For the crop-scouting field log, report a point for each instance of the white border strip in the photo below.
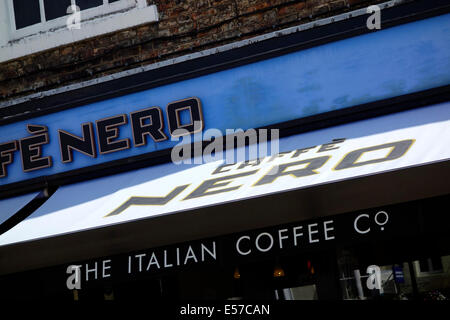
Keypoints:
(59, 35)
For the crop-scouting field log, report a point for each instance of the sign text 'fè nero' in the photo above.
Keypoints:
(103, 135)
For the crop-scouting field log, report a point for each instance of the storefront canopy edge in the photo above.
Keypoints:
(9, 207)
(380, 161)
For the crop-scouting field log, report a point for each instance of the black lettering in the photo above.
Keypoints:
(220, 168)
(399, 148)
(196, 124)
(300, 151)
(108, 131)
(250, 163)
(6, 156)
(31, 149)
(279, 170)
(148, 201)
(69, 142)
(278, 155)
(214, 183)
(330, 146)
(152, 129)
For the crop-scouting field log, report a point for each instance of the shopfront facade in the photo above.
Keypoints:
(337, 190)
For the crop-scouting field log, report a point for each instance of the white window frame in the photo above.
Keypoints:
(87, 14)
(49, 34)
(431, 272)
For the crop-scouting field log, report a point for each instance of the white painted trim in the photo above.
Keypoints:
(57, 23)
(42, 10)
(5, 23)
(94, 22)
(423, 274)
(204, 53)
(12, 25)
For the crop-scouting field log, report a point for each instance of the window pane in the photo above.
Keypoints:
(86, 4)
(437, 263)
(26, 13)
(56, 8)
(424, 265)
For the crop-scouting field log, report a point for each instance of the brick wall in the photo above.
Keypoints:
(185, 26)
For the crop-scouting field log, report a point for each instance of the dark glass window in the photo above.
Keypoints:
(86, 4)
(424, 267)
(436, 262)
(430, 264)
(55, 8)
(26, 13)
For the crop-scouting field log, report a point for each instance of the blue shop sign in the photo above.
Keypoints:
(395, 61)
(399, 275)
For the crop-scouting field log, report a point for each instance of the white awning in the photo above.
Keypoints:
(10, 206)
(388, 143)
